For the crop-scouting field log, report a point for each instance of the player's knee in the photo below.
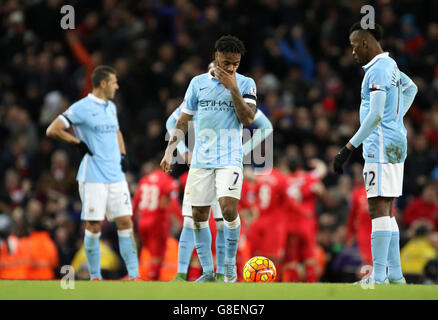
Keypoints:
(94, 226)
(377, 208)
(229, 212)
(373, 215)
(124, 223)
(200, 213)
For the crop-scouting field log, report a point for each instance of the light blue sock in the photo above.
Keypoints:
(92, 252)
(128, 251)
(379, 248)
(231, 235)
(185, 248)
(202, 238)
(220, 247)
(381, 230)
(394, 264)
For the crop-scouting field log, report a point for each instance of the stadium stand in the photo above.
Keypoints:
(308, 86)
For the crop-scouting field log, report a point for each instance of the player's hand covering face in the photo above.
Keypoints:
(225, 71)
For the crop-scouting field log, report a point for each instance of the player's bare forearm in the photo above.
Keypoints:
(65, 136)
(121, 142)
(177, 135)
(57, 130)
(244, 111)
(178, 132)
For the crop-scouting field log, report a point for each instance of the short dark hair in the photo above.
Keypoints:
(229, 44)
(376, 32)
(101, 73)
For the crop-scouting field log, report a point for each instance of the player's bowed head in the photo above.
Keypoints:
(365, 42)
(228, 54)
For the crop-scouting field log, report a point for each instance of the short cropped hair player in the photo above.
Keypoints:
(102, 184)
(387, 94)
(223, 101)
(186, 241)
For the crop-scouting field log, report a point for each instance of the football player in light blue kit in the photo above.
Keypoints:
(387, 93)
(186, 241)
(223, 101)
(102, 183)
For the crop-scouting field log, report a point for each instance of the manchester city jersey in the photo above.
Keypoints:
(95, 122)
(218, 130)
(387, 143)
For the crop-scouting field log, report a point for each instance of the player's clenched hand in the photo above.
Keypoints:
(166, 163)
(124, 162)
(228, 80)
(340, 159)
(83, 148)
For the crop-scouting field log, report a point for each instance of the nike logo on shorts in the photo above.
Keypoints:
(232, 189)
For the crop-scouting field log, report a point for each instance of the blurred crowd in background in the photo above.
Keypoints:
(308, 85)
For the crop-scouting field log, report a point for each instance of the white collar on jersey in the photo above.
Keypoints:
(98, 100)
(381, 55)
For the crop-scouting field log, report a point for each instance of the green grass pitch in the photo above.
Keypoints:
(127, 290)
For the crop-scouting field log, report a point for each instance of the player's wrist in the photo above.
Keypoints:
(341, 158)
(234, 89)
(350, 146)
(83, 148)
(345, 152)
(124, 162)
